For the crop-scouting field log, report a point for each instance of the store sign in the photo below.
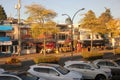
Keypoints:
(6, 43)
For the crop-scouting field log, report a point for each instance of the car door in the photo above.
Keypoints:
(86, 70)
(41, 72)
(102, 64)
(106, 64)
(110, 64)
(89, 71)
(55, 75)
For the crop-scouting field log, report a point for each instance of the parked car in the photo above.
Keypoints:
(106, 63)
(54, 72)
(88, 70)
(18, 76)
(117, 61)
(2, 70)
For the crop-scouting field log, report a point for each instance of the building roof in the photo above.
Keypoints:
(6, 28)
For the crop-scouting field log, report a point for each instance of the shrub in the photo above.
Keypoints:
(117, 51)
(46, 59)
(92, 54)
(12, 60)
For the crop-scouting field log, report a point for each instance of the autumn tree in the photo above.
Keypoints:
(3, 15)
(104, 18)
(113, 28)
(90, 22)
(40, 19)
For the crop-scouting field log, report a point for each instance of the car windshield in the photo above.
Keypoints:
(62, 70)
(27, 76)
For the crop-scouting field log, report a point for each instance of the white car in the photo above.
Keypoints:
(2, 70)
(18, 76)
(88, 70)
(110, 64)
(117, 61)
(106, 63)
(54, 72)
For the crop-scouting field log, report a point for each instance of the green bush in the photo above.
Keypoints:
(92, 54)
(46, 59)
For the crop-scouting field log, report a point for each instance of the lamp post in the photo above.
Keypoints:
(18, 6)
(69, 21)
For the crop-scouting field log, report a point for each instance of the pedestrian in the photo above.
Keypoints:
(88, 48)
(19, 51)
(79, 47)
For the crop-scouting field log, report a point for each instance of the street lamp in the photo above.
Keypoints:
(69, 21)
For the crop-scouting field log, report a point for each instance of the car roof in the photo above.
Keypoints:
(78, 61)
(83, 62)
(46, 65)
(102, 60)
(15, 73)
(5, 74)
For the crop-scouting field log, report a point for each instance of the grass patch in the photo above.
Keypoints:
(117, 51)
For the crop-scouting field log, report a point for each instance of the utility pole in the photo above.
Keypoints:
(18, 6)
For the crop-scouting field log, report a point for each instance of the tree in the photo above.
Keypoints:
(91, 23)
(39, 14)
(113, 27)
(41, 22)
(3, 15)
(104, 18)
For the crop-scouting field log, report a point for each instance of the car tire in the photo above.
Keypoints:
(100, 77)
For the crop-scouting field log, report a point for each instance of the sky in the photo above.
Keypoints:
(69, 7)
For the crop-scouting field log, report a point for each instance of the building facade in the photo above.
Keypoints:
(7, 42)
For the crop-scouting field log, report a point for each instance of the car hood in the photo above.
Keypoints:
(74, 74)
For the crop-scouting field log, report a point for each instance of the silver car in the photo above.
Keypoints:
(88, 70)
(54, 72)
(18, 76)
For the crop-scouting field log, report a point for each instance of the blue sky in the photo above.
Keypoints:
(65, 7)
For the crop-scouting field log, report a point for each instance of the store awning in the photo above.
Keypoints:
(2, 39)
(6, 28)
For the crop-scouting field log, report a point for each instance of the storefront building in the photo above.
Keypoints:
(7, 43)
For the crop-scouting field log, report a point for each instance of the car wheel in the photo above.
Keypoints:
(100, 77)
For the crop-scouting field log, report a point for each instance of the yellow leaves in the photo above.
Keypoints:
(113, 27)
(39, 13)
(95, 53)
(39, 18)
